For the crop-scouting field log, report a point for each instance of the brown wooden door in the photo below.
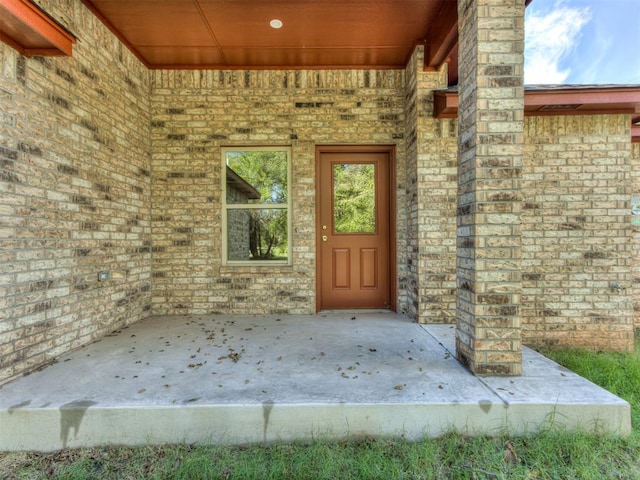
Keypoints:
(354, 229)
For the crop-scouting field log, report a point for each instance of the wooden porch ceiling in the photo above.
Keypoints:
(314, 34)
(228, 34)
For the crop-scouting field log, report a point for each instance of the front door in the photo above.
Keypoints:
(354, 233)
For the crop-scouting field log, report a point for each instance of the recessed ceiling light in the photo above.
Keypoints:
(275, 23)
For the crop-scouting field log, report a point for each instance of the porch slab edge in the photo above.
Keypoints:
(54, 429)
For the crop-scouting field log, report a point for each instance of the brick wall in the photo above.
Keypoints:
(431, 186)
(194, 113)
(80, 169)
(635, 192)
(75, 188)
(577, 231)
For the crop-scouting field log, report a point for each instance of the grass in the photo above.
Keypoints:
(547, 455)
(550, 454)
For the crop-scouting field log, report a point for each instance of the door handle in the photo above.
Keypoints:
(324, 238)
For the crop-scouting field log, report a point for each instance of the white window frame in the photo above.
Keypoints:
(226, 207)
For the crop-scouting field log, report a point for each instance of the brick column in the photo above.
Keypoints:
(490, 148)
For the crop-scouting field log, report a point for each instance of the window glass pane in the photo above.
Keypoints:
(258, 176)
(257, 234)
(354, 200)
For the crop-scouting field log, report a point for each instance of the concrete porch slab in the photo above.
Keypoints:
(241, 379)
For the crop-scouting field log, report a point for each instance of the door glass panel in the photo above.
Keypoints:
(354, 199)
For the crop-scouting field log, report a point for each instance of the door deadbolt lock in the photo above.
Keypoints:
(324, 227)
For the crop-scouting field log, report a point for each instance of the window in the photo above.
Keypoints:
(256, 198)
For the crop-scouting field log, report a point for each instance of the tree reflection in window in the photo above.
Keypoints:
(354, 202)
(257, 205)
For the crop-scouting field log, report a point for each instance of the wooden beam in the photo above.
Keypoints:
(443, 37)
(31, 31)
(445, 104)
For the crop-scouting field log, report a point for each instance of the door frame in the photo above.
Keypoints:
(390, 150)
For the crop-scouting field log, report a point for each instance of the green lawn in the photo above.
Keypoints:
(548, 455)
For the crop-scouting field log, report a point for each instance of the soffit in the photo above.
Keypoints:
(315, 33)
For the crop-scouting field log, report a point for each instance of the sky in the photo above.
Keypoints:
(582, 42)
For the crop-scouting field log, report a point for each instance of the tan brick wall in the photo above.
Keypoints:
(80, 170)
(635, 192)
(194, 113)
(577, 231)
(490, 147)
(75, 188)
(431, 186)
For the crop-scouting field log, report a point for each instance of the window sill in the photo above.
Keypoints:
(246, 268)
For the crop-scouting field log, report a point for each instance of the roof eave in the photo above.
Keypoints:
(563, 100)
